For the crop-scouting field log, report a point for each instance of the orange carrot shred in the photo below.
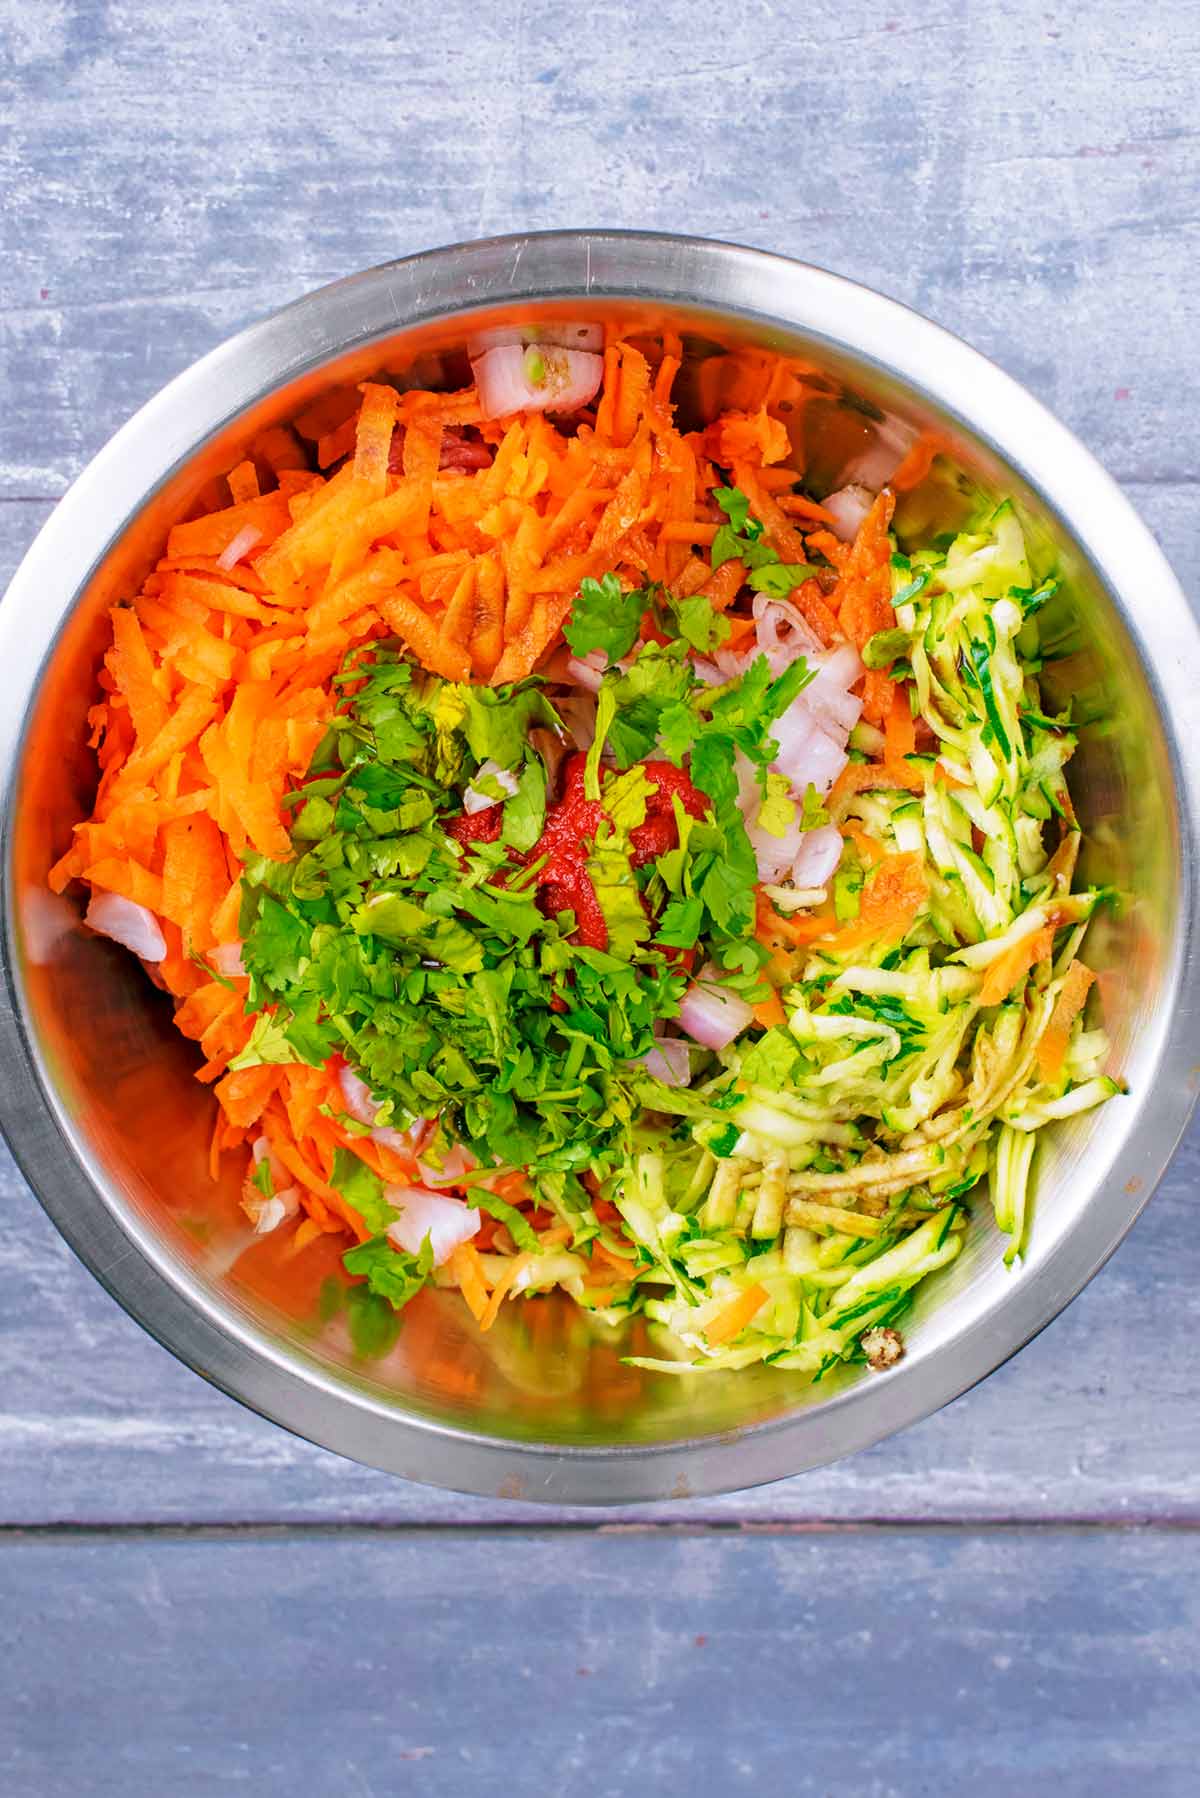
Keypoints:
(741, 1311)
(373, 437)
(1003, 974)
(466, 1267)
(1052, 1045)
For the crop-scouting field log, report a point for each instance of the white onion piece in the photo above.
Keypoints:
(456, 1162)
(822, 761)
(585, 672)
(712, 1014)
(126, 923)
(793, 732)
(782, 633)
(749, 792)
(570, 336)
(363, 1107)
(790, 899)
(774, 855)
(357, 1094)
(226, 958)
(827, 696)
(579, 716)
(266, 1214)
(730, 663)
(668, 1061)
(239, 546)
(447, 1222)
(818, 856)
(262, 1151)
(475, 801)
(569, 380)
(848, 507)
(400, 1142)
(841, 665)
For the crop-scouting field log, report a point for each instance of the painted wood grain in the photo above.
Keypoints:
(877, 1665)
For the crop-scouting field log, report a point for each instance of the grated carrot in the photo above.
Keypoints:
(467, 1269)
(769, 1012)
(742, 1310)
(501, 1289)
(1007, 969)
(1052, 1044)
(357, 522)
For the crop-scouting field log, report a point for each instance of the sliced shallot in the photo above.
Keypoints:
(535, 379)
(668, 1061)
(446, 1221)
(876, 465)
(239, 546)
(848, 507)
(127, 923)
(456, 1162)
(782, 633)
(266, 1214)
(588, 671)
(475, 801)
(363, 1107)
(712, 1014)
(226, 959)
(818, 856)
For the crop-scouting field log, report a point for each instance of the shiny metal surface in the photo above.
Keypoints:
(97, 1094)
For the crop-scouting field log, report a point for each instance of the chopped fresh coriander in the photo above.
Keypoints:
(605, 617)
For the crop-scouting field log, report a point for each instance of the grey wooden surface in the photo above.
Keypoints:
(925, 1661)
(1004, 1597)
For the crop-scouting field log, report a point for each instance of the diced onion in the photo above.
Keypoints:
(818, 856)
(127, 923)
(773, 854)
(828, 696)
(588, 671)
(668, 1061)
(266, 1214)
(226, 959)
(456, 1162)
(363, 1107)
(357, 1094)
(782, 633)
(239, 546)
(446, 1221)
(474, 800)
(537, 379)
(848, 507)
(712, 1014)
(822, 761)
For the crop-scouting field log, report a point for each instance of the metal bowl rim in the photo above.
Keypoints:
(441, 285)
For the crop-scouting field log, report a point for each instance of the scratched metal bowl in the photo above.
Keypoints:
(98, 1095)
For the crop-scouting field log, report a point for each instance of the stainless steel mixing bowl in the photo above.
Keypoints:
(98, 1098)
